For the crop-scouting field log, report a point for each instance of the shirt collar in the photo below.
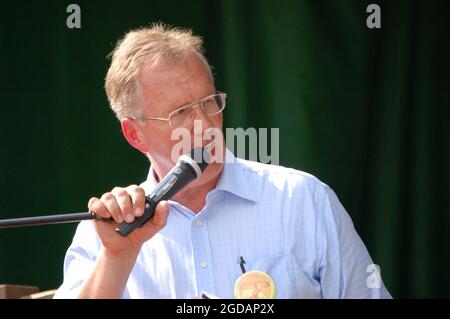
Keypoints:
(232, 179)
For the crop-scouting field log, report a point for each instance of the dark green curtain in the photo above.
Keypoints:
(365, 110)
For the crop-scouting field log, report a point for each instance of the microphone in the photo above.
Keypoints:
(188, 167)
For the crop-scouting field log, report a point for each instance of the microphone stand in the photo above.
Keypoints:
(50, 219)
(184, 172)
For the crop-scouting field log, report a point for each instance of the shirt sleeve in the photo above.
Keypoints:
(346, 269)
(79, 260)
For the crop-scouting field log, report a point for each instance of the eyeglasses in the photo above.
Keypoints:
(182, 117)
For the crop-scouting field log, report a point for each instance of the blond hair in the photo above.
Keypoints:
(158, 44)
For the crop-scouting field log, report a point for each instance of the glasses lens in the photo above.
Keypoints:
(181, 117)
(214, 105)
(211, 106)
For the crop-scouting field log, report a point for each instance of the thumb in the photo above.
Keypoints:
(161, 212)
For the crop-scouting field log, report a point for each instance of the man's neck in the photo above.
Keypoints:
(193, 196)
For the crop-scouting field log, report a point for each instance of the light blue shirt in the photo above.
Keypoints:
(282, 221)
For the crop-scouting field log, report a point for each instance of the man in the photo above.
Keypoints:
(282, 225)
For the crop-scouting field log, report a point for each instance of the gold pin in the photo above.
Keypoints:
(254, 284)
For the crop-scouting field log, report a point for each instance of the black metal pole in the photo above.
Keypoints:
(44, 220)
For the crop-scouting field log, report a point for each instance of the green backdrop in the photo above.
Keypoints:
(364, 110)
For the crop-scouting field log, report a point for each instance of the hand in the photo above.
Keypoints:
(124, 204)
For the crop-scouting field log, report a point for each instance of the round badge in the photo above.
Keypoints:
(254, 285)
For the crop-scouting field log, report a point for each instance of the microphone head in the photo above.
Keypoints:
(198, 159)
(201, 157)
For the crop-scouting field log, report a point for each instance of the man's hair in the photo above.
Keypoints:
(156, 45)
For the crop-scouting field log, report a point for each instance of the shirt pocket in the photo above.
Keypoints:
(291, 281)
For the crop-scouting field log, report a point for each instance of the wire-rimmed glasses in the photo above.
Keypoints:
(182, 117)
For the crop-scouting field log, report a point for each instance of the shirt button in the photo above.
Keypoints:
(203, 264)
(198, 222)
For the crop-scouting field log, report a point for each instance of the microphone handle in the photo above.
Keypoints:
(176, 179)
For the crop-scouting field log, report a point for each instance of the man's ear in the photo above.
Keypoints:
(133, 134)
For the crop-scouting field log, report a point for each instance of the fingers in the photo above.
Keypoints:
(131, 201)
(159, 220)
(95, 205)
(137, 195)
(111, 204)
(123, 204)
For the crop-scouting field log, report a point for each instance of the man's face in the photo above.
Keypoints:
(162, 90)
